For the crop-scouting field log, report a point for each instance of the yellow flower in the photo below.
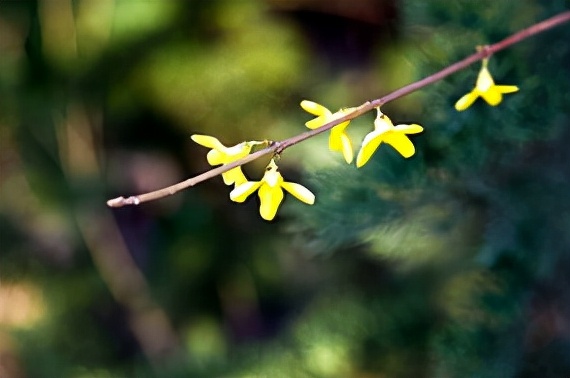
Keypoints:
(271, 191)
(486, 88)
(220, 154)
(338, 139)
(385, 131)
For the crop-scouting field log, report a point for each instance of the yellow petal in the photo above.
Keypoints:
(507, 88)
(409, 129)
(369, 146)
(314, 108)
(241, 192)
(207, 141)
(299, 191)
(272, 177)
(316, 122)
(335, 143)
(338, 139)
(270, 198)
(401, 143)
(383, 123)
(484, 80)
(234, 176)
(216, 157)
(346, 148)
(466, 101)
(492, 96)
(237, 152)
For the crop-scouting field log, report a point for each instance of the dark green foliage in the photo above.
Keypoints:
(495, 187)
(452, 263)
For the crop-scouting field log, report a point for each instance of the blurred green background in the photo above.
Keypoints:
(453, 263)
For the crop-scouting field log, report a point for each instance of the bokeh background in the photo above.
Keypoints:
(453, 263)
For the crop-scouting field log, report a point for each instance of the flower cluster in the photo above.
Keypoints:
(271, 187)
(384, 131)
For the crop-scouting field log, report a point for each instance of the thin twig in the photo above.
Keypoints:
(278, 147)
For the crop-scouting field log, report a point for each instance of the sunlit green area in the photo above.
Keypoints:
(452, 263)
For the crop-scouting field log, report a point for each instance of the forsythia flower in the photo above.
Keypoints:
(271, 191)
(338, 139)
(486, 88)
(220, 154)
(385, 131)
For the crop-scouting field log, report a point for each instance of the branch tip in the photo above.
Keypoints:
(122, 201)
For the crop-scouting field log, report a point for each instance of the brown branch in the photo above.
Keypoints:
(278, 147)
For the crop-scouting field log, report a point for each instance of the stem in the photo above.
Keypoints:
(279, 147)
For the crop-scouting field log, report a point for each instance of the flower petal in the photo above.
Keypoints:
(272, 177)
(216, 157)
(270, 198)
(241, 192)
(484, 80)
(335, 142)
(314, 108)
(369, 146)
(466, 101)
(492, 96)
(383, 123)
(409, 129)
(234, 176)
(401, 143)
(299, 191)
(346, 148)
(208, 141)
(237, 152)
(507, 88)
(316, 122)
